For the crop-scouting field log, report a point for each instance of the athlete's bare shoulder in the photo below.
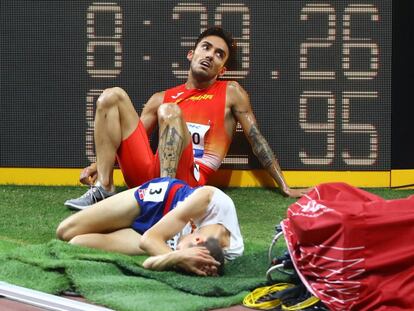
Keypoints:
(233, 86)
(236, 94)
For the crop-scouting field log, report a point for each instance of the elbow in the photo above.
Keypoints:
(206, 194)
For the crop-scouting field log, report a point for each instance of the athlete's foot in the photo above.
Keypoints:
(95, 194)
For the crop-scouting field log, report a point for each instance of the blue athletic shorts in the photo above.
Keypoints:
(156, 198)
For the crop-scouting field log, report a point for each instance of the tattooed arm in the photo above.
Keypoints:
(241, 109)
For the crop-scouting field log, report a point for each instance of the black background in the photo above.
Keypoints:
(402, 85)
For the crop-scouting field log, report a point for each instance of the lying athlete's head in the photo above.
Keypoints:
(231, 61)
(211, 244)
(216, 252)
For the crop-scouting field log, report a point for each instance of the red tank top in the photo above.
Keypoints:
(204, 111)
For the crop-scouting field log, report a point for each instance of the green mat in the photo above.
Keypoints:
(119, 281)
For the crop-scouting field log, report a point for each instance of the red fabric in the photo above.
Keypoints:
(352, 249)
(139, 164)
(170, 198)
(136, 159)
(207, 107)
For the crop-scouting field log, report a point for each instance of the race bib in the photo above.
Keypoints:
(198, 132)
(156, 192)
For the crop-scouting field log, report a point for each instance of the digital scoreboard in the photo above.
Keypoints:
(318, 74)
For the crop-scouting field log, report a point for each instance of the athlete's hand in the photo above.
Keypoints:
(197, 260)
(296, 193)
(89, 175)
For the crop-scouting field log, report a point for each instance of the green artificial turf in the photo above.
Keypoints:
(30, 215)
(98, 275)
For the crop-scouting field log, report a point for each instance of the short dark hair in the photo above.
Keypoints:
(231, 62)
(213, 246)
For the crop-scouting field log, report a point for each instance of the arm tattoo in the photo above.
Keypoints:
(260, 147)
(235, 111)
(170, 148)
(265, 155)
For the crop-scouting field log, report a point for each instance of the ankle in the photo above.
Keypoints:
(106, 187)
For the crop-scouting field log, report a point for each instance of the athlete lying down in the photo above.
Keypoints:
(178, 226)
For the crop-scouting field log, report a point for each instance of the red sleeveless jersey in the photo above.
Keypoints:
(203, 111)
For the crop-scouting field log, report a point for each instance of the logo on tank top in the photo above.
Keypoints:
(176, 96)
(201, 97)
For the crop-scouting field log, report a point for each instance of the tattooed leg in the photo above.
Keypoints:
(173, 137)
(169, 150)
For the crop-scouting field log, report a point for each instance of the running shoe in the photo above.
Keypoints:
(92, 196)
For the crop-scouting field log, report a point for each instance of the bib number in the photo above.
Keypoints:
(156, 192)
(198, 132)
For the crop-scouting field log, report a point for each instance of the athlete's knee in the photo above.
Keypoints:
(62, 231)
(67, 229)
(169, 113)
(111, 97)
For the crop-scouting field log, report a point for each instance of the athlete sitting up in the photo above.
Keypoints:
(196, 124)
(165, 218)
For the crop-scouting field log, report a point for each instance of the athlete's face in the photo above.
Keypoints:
(208, 59)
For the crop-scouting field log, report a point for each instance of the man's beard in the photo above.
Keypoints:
(200, 74)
